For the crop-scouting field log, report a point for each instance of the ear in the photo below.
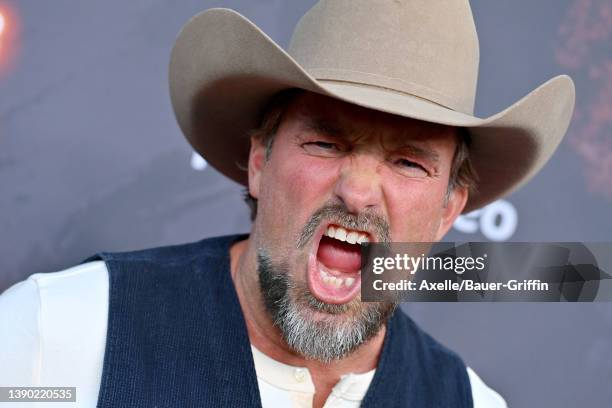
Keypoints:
(257, 157)
(454, 206)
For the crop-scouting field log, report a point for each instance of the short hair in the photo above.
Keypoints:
(462, 172)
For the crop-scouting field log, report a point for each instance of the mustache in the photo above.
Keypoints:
(338, 214)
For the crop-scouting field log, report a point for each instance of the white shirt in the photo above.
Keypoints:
(53, 333)
(282, 385)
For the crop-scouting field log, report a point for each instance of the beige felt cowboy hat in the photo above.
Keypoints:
(414, 58)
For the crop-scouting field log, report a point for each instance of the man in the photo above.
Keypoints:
(364, 132)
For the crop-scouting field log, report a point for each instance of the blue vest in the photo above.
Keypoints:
(177, 338)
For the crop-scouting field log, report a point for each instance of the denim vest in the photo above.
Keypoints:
(177, 338)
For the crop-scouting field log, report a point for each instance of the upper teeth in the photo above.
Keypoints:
(350, 236)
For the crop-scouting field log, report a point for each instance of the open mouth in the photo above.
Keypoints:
(334, 274)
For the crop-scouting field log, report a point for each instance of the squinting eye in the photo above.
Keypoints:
(322, 148)
(411, 168)
(323, 145)
(408, 163)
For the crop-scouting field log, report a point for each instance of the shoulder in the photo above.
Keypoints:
(434, 355)
(54, 325)
(430, 350)
(44, 289)
(77, 278)
(54, 302)
(482, 395)
(214, 247)
(411, 349)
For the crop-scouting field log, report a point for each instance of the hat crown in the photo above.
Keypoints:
(425, 48)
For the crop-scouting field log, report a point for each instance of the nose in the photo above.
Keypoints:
(359, 185)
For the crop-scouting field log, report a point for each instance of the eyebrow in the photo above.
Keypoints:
(327, 128)
(323, 127)
(421, 152)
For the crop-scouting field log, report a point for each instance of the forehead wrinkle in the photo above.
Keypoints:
(381, 133)
(341, 120)
(416, 137)
(332, 129)
(418, 151)
(321, 126)
(336, 118)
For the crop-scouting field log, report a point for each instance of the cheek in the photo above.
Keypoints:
(308, 181)
(293, 189)
(415, 209)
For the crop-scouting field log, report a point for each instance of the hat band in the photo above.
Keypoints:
(390, 84)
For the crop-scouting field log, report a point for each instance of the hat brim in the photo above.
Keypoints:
(224, 69)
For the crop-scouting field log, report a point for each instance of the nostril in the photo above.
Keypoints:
(358, 200)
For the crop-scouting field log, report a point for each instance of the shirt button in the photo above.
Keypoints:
(299, 374)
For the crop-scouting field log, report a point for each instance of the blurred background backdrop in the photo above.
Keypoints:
(91, 159)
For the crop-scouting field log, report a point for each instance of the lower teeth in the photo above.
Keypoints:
(337, 282)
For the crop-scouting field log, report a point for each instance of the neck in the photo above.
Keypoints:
(266, 337)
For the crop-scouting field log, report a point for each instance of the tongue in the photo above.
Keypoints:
(338, 255)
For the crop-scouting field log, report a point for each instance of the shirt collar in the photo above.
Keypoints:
(297, 379)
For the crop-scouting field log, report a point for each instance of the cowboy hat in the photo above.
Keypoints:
(413, 58)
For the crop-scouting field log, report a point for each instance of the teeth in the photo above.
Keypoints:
(352, 237)
(335, 281)
(340, 234)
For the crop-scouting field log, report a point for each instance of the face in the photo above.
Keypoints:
(339, 175)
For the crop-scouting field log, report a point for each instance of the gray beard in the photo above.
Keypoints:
(316, 336)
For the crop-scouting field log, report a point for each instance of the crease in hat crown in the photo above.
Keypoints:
(424, 48)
